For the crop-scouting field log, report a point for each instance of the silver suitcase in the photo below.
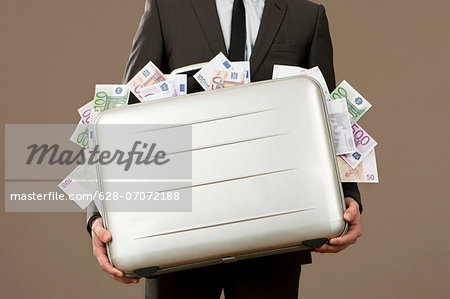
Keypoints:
(264, 178)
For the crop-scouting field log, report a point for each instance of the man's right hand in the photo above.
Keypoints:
(100, 236)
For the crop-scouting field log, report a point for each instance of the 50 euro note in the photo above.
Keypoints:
(160, 90)
(364, 145)
(221, 79)
(147, 76)
(180, 81)
(357, 104)
(283, 71)
(341, 127)
(243, 67)
(365, 172)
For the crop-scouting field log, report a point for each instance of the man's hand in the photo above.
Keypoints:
(352, 216)
(100, 236)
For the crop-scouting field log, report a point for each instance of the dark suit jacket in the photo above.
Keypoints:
(177, 33)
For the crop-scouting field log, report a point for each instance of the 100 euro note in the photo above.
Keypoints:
(364, 145)
(85, 112)
(81, 135)
(81, 184)
(365, 172)
(357, 104)
(109, 96)
(205, 75)
(341, 127)
(147, 76)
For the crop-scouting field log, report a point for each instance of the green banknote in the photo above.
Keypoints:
(109, 96)
(357, 104)
(81, 135)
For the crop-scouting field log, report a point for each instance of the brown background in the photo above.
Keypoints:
(395, 53)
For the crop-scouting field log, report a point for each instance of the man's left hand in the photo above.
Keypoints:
(353, 217)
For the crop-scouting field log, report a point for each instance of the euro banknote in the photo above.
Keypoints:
(341, 127)
(85, 111)
(160, 90)
(357, 104)
(180, 81)
(81, 184)
(316, 73)
(147, 76)
(283, 71)
(365, 172)
(80, 135)
(364, 145)
(243, 67)
(94, 115)
(113, 98)
(221, 79)
(219, 63)
(109, 96)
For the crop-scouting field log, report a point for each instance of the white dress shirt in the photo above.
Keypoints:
(253, 13)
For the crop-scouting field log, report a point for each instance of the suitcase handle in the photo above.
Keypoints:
(189, 69)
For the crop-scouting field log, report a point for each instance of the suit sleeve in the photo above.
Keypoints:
(148, 44)
(321, 55)
(91, 213)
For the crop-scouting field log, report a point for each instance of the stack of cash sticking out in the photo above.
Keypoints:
(220, 73)
(83, 179)
(354, 147)
(150, 84)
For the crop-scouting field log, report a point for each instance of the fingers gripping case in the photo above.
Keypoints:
(264, 179)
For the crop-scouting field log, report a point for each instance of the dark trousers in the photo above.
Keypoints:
(262, 278)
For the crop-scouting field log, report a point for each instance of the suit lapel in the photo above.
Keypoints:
(206, 12)
(274, 12)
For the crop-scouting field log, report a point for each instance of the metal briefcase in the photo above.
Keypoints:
(264, 179)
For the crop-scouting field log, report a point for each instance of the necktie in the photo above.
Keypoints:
(238, 32)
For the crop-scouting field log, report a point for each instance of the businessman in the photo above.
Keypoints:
(176, 33)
